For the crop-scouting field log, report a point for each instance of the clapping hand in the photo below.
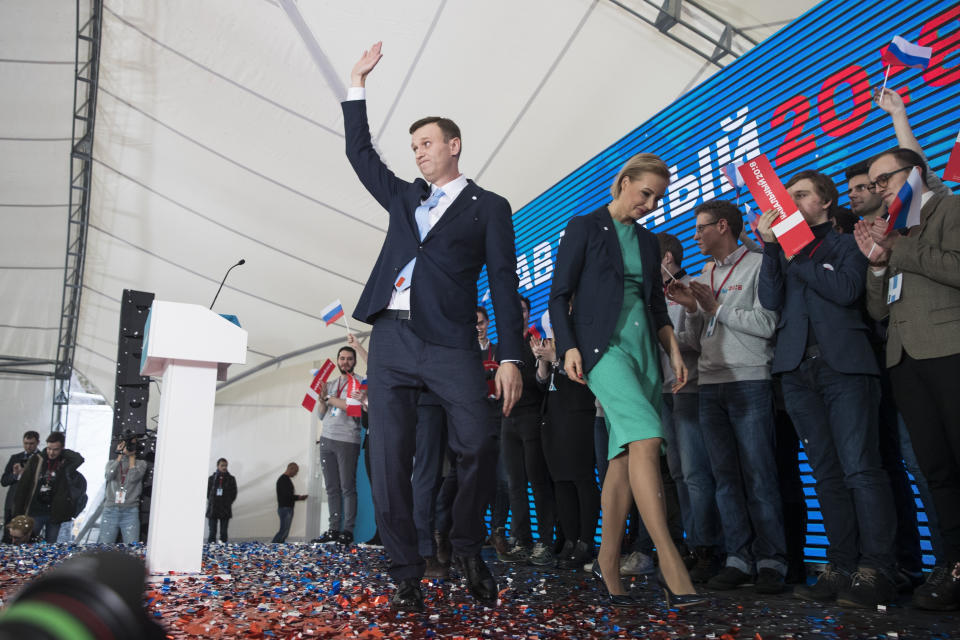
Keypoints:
(544, 349)
(705, 297)
(682, 294)
(876, 254)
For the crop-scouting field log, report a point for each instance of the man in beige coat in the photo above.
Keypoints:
(914, 279)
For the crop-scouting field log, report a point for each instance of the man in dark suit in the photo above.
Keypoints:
(915, 280)
(421, 299)
(11, 474)
(831, 388)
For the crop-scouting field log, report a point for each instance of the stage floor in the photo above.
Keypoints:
(308, 591)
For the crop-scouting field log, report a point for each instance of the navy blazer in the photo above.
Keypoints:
(589, 271)
(825, 291)
(476, 229)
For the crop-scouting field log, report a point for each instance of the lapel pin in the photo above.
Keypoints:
(606, 229)
(474, 197)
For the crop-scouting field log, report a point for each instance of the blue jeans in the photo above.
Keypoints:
(687, 456)
(286, 517)
(52, 530)
(835, 415)
(736, 420)
(125, 520)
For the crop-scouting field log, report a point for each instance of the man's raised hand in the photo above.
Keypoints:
(365, 65)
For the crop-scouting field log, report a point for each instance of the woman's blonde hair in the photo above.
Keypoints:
(639, 164)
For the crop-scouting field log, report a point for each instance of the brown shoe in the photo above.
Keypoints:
(498, 540)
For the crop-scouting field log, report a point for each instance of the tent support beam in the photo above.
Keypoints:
(85, 82)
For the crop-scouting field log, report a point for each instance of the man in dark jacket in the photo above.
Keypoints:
(221, 492)
(11, 474)
(43, 492)
(286, 499)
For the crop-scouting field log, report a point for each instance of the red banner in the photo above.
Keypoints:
(791, 229)
(316, 385)
(952, 172)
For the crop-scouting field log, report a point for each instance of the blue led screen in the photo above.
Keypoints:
(802, 97)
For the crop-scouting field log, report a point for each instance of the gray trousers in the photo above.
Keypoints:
(338, 461)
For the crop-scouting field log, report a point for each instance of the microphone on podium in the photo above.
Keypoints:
(242, 261)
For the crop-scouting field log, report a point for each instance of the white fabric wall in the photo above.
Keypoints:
(259, 427)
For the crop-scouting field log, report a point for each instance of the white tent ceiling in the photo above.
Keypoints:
(217, 137)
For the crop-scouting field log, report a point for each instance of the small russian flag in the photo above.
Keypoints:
(904, 211)
(752, 220)
(363, 384)
(332, 312)
(541, 329)
(733, 176)
(903, 53)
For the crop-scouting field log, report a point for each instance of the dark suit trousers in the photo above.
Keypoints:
(428, 473)
(400, 366)
(926, 394)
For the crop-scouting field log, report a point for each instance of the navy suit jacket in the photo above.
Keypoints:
(825, 291)
(476, 229)
(589, 271)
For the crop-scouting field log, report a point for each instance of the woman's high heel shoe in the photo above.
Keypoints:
(617, 600)
(678, 602)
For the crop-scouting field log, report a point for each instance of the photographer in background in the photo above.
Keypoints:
(11, 474)
(121, 497)
(43, 492)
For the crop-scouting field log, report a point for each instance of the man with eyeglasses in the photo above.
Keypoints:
(914, 279)
(724, 320)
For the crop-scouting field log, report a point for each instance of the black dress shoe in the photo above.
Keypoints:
(480, 581)
(408, 596)
(616, 599)
(433, 568)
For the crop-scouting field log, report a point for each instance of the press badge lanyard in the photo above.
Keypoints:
(341, 384)
(716, 292)
(121, 496)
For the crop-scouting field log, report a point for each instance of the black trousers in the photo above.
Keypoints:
(522, 451)
(401, 365)
(927, 395)
(224, 523)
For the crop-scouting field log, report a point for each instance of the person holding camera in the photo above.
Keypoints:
(121, 498)
(43, 492)
(12, 472)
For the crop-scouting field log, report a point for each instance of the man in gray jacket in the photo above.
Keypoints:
(121, 499)
(724, 319)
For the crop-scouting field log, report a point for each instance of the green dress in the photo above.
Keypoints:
(626, 380)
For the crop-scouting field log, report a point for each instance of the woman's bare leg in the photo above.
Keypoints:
(615, 503)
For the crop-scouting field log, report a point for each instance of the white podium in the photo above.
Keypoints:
(190, 347)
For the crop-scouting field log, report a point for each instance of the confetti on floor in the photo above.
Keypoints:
(256, 590)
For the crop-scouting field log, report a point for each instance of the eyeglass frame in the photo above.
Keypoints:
(700, 227)
(884, 178)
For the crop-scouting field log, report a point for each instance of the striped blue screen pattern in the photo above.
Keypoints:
(803, 98)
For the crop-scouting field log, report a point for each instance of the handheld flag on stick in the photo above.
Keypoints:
(316, 386)
(733, 176)
(903, 53)
(752, 220)
(332, 312)
(541, 328)
(904, 211)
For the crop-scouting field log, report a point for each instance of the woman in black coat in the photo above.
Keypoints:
(221, 492)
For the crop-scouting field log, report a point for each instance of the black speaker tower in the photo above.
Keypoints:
(132, 391)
